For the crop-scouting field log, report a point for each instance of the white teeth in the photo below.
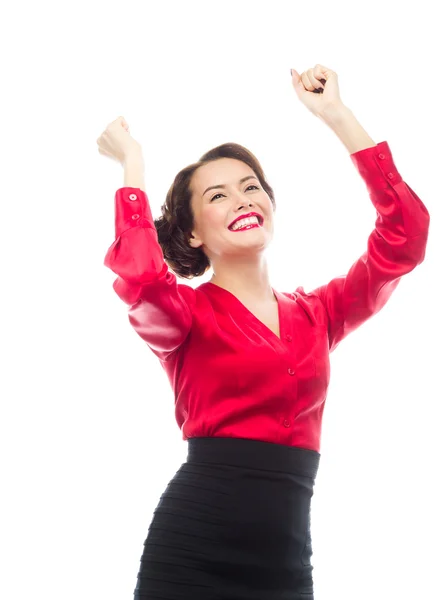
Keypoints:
(243, 222)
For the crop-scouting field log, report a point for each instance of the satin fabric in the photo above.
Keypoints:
(231, 376)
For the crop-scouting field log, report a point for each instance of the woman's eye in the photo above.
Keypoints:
(254, 186)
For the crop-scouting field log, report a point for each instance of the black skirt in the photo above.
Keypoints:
(233, 523)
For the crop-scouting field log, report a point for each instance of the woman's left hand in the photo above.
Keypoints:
(306, 86)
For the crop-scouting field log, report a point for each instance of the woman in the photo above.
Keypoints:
(249, 366)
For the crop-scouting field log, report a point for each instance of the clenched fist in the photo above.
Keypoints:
(116, 142)
(318, 89)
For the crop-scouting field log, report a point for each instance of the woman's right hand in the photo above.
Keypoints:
(116, 141)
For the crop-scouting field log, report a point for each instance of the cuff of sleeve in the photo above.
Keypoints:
(376, 166)
(131, 210)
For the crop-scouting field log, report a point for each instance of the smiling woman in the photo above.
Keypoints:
(249, 367)
(175, 227)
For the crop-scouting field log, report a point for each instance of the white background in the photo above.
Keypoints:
(88, 435)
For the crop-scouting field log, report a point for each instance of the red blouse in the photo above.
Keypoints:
(230, 374)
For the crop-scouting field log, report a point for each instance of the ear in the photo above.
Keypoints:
(194, 241)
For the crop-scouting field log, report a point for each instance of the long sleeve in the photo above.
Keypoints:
(395, 247)
(159, 309)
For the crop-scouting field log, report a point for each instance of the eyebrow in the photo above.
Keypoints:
(215, 187)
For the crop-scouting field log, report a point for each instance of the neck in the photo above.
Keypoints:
(245, 282)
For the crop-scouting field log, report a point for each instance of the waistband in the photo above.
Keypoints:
(253, 454)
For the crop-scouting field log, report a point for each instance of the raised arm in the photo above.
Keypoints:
(159, 309)
(396, 245)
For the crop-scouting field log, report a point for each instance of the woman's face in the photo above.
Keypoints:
(215, 209)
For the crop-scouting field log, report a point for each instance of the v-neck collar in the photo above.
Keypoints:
(251, 315)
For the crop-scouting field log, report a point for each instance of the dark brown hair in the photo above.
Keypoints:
(176, 223)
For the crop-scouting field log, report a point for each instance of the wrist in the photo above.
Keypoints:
(348, 129)
(133, 155)
(134, 170)
(334, 115)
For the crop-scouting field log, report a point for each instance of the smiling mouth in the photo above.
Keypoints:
(249, 226)
(246, 227)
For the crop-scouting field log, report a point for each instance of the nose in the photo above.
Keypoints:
(244, 202)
